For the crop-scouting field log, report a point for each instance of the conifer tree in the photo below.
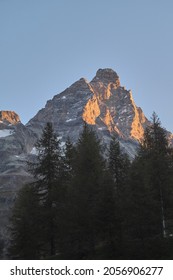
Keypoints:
(26, 233)
(118, 163)
(47, 168)
(156, 148)
(48, 174)
(69, 160)
(150, 182)
(64, 217)
(109, 219)
(118, 166)
(87, 188)
(40, 226)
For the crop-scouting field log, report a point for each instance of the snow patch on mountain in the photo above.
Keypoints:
(6, 132)
(34, 151)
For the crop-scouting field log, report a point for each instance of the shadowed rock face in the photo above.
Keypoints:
(102, 103)
(15, 143)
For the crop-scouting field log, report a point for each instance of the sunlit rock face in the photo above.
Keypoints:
(9, 117)
(112, 107)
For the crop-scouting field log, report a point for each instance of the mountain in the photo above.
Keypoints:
(15, 143)
(102, 103)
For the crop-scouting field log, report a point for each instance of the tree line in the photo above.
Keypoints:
(85, 205)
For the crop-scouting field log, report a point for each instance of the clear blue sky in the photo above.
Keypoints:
(46, 45)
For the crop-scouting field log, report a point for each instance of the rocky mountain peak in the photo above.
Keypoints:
(9, 117)
(80, 83)
(107, 76)
(102, 103)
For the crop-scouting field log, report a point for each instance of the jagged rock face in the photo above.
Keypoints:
(102, 103)
(106, 76)
(117, 110)
(64, 111)
(9, 117)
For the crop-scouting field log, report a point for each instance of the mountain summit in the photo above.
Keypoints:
(107, 76)
(102, 103)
